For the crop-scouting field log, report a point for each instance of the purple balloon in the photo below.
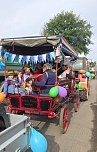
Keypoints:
(62, 91)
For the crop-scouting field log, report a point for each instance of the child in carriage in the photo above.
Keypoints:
(19, 78)
(12, 84)
(9, 84)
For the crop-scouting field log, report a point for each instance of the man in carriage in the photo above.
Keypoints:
(65, 71)
(47, 81)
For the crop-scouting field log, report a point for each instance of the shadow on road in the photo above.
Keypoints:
(52, 145)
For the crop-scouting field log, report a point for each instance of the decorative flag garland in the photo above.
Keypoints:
(32, 59)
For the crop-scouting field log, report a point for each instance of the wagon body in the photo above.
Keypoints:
(43, 104)
(16, 137)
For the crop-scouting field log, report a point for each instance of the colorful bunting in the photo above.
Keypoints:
(20, 58)
(13, 57)
(39, 58)
(1, 65)
(32, 59)
(44, 57)
(36, 59)
(9, 59)
(2, 52)
(6, 55)
(27, 59)
(16, 58)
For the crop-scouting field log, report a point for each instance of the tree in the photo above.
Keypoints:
(75, 30)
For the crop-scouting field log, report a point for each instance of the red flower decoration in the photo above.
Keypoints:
(8, 81)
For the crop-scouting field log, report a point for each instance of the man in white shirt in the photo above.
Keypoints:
(64, 71)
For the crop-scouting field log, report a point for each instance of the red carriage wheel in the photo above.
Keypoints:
(76, 103)
(64, 119)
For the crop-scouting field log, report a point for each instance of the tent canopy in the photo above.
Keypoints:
(36, 45)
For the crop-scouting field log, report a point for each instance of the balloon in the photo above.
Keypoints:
(92, 75)
(80, 86)
(77, 85)
(62, 91)
(82, 71)
(53, 91)
(38, 142)
(88, 74)
(2, 97)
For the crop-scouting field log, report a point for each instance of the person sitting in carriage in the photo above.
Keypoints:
(38, 69)
(65, 71)
(12, 85)
(9, 84)
(27, 72)
(38, 72)
(26, 66)
(48, 79)
(19, 78)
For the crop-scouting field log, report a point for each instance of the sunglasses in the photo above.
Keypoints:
(64, 65)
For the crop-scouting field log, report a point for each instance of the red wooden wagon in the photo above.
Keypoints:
(43, 103)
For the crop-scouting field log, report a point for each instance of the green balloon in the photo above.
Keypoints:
(53, 91)
(92, 75)
(77, 85)
(80, 86)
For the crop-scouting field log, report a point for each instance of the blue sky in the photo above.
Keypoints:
(27, 17)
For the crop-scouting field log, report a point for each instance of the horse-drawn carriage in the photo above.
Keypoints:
(80, 69)
(43, 103)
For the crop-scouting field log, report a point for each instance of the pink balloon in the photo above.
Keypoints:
(62, 91)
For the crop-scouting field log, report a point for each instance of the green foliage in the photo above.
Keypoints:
(75, 30)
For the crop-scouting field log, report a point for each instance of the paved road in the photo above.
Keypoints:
(81, 135)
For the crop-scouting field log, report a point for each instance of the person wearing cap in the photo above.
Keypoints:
(48, 79)
(9, 84)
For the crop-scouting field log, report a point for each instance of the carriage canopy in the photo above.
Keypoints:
(37, 45)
